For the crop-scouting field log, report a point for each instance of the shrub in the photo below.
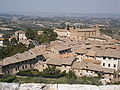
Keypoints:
(89, 80)
(41, 80)
(52, 72)
(8, 78)
(71, 75)
(31, 72)
(100, 74)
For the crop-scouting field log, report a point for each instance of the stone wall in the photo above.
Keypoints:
(38, 86)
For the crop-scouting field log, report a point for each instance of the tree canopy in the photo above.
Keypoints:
(47, 36)
(52, 72)
(31, 34)
(12, 49)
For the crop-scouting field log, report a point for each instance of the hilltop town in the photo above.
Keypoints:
(86, 52)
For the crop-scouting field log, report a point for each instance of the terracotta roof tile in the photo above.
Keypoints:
(89, 66)
(91, 61)
(108, 53)
(61, 61)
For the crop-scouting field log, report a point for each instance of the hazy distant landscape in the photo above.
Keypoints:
(56, 19)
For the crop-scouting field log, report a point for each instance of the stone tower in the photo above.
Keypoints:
(97, 30)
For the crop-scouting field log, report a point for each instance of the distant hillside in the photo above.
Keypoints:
(113, 29)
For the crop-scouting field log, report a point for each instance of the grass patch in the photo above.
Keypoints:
(61, 80)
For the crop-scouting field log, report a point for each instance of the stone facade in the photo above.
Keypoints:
(83, 34)
(20, 35)
(16, 67)
(62, 32)
(23, 61)
(59, 50)
(111, 63)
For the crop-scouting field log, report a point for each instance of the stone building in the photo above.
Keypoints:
(62, 32)
(40, 32)
(64, 64)
(110, 58)
(90, 69)
(97, 39)
(83, 34)
(20, 35)
(61, 49)
(22, 61)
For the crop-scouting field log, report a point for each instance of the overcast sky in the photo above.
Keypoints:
(72, 6)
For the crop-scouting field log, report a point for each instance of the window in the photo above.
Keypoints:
(8, 72)
(78, 53)
(16, 69)
(103, 64)
(81, 54)
(86, 70)
(22, 67)
(109, 58)
(30, 65)
(108, 65)
(84, 34)
(104, 57)
(26, 66)
(114, 65)
(88, 48)
(89, 33)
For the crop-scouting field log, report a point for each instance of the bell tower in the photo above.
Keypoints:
(97, 30)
